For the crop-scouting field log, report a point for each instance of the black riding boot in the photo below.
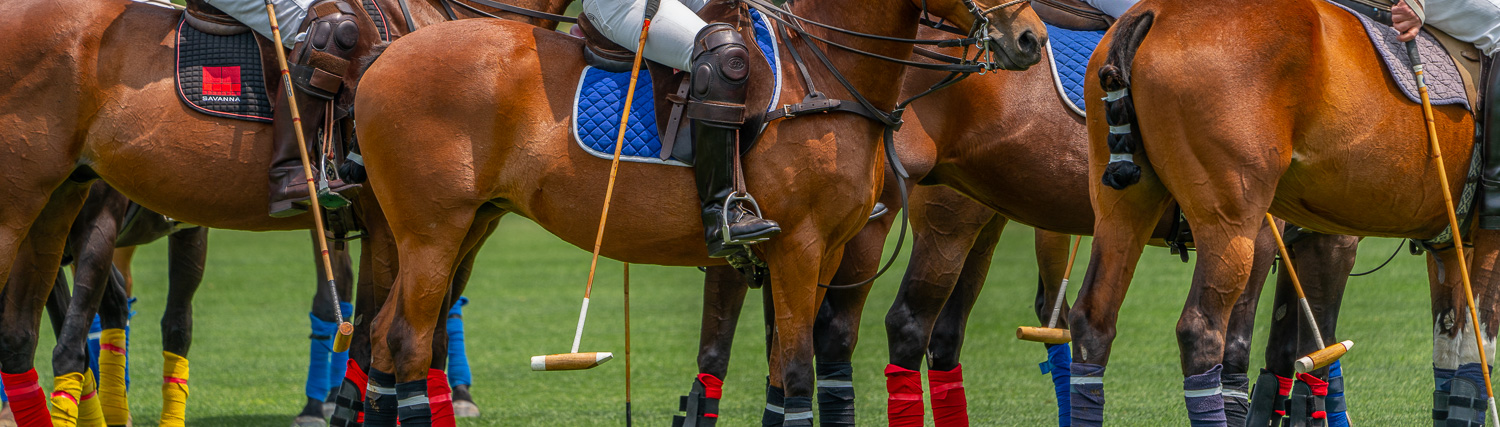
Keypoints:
(317, 65)
(1489, 124)
(716, 104)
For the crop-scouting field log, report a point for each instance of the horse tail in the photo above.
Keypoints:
(1114, 77)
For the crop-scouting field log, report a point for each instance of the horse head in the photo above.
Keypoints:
(1010, 30)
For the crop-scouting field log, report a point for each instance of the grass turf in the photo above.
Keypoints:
(250, 350)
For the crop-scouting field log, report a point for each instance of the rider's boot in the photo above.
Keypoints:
(716, 104)
(1489, 123)
(317, 64)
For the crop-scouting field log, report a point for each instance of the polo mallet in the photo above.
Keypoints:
(1328, 354)
(1052, 334)
(627, 345)
(575, 360)
(346, 329)
(1458, 243)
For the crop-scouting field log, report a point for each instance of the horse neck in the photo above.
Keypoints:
(876, 79)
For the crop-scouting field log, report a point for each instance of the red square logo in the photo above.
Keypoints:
(221, 81)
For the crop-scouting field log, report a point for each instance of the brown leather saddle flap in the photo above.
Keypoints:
(1072, 15)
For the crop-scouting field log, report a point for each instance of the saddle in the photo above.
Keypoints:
(657, 131)
(1465, 56)
(223, 68)
(1072, 15)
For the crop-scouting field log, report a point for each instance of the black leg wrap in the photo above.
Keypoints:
(775, 407)
(411, 404)
(1444, 380)
(1467, 398)
(1265, 401)
(699, 410)
(346, 405)
(836, 394)
(1304, 409)
(1236, 398)
(799, 412)
(380, 400)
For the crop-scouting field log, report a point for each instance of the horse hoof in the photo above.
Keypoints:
(309, 421)
(465, 409)
(328, 408)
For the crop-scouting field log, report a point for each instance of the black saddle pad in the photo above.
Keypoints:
(221, 75)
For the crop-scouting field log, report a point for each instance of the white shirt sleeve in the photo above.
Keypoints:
(1473, 21)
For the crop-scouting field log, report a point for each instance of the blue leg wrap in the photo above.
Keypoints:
(94, 330)
(1205, 398)
(338, 362)
(1059, 358)
(1338, 411)
(458, 357)
(1087, 394)
(130, 314)
(320, 347)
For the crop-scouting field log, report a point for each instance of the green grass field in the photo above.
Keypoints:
(250, 350)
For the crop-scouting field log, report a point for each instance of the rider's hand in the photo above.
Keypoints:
(1405, 21)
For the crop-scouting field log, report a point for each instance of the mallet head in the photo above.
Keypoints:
(569, 361)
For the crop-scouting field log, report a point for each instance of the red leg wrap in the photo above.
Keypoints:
(949, 406)
(357, 375)
(26, 399)
(1283, 389)
(904, 407)
(1319, 390)
(440, 398)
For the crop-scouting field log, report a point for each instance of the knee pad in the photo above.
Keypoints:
(721, 69)
(319, 61)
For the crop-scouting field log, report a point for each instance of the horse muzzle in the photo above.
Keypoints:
(1018, 52)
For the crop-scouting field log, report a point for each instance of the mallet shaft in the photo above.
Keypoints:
(1062, 290)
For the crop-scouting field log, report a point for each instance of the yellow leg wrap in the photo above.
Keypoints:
(112, 377)
(174, 390)
(65, 395)
(90, 414)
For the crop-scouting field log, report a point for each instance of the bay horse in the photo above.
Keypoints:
(1233, 128)
(450, 149)
(958, 212)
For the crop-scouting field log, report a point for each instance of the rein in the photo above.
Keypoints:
(816, 102)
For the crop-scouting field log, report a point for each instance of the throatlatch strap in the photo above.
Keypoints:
(904, 404)
(835, 393)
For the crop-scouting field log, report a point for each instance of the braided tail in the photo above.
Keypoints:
(1114, 77)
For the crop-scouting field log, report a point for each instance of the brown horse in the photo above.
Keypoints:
(1234, 127)
(957, 216)
(498, 117)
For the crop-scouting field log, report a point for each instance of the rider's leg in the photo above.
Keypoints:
(1489, 122)
(317, 65)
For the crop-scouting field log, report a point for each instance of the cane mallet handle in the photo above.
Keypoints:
(1458, 243)
(1322, 358)
(1044, 335)
(346, 329)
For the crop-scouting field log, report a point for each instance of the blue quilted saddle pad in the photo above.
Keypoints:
(1070, 51)
(601, 99)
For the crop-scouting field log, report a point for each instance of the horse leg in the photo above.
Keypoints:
(377, 270)
(945, 228)
(836, 328)
(325, 368)
(459, 377)
(92, 240)
(1124, 220)
(187, 252)
(944, 373)
(402, 334)
(1237, 341)
(443, 398)
(30, 280)
(1468, 397)
(724, 290)
(799, 261)
(123, 257)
